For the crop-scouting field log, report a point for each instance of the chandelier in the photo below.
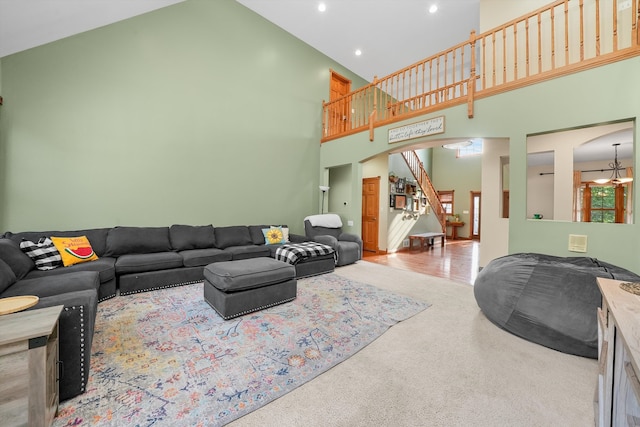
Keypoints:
(616, 167)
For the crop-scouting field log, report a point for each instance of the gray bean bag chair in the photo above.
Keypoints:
(548, 300)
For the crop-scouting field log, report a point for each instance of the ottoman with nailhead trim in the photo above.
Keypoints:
(234, 288)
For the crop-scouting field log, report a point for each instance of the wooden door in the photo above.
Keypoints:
(339, 113)
(370, 213)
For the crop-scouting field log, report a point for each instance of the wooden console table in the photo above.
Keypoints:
(29, 367)
(454, 228)
(618, 394)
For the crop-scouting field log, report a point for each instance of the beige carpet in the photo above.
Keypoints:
(447, 366)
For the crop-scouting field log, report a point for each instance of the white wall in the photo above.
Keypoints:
(494, 229)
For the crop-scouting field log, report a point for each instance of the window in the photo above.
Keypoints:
(471, 150)
(446, 198)
(603, 203)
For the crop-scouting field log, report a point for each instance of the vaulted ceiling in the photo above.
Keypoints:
(391, 34)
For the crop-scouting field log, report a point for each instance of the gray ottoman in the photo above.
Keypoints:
(234, 288)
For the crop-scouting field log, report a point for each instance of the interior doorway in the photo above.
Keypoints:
(370, 213)
(474, 214)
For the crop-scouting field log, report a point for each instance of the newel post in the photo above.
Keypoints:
(471, 83)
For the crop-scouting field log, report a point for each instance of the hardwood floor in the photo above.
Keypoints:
(457, 260)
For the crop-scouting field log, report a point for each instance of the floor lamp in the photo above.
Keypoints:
(324, 189)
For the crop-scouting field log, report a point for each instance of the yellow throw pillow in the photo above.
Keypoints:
(273, 235)
(74, 250)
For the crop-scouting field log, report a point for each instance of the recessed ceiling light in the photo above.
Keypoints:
(322, 7)
(358, 52)
(433, 8)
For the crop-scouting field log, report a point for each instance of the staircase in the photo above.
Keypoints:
(421, 176)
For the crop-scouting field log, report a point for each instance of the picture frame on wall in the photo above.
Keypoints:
(401, 201)
(392, 200)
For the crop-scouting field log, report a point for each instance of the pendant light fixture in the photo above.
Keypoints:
(616, 167)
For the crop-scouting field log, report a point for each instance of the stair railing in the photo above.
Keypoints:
(422, 177)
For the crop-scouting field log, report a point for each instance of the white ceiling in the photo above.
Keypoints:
(392, 34)
(29, 23)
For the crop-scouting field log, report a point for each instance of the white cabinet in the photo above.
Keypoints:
(618, 392)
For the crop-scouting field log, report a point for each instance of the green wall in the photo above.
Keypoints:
(202, 112)
(460, 174)
(598, 95)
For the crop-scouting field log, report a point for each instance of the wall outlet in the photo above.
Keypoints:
(405, 243)
(350, 223)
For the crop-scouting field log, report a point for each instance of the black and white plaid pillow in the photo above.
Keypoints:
(44, 253)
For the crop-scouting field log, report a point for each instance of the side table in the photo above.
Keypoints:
(29, 367)
(454, 228)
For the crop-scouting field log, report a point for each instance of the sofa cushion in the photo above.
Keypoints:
(7, 276)
(105, 266)
(137, 240)
(19, 262)
(233, 276)
(74, 250)
(137, 263)
(51, 285)
(248, 251)
(236, 235)
(97, 237)
(202, 257)
(185, 237)
(43, 253)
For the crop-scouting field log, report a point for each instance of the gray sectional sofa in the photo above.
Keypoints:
(130, 259)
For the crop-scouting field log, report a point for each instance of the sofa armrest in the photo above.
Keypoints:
(76, 329)
(349, 237)
(297, 238)
(327, 240)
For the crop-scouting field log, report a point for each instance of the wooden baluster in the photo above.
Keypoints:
(430, 81)
(635, 26)
(438, 79)
(483, 66)
(566, 32)
(581, 30)
(471, 83)
(597, 28)
(553, 38)
(504, 56)
(526, 51)
(615, 26)
(515, 51)
(402, 93)
(493, 37)
(446, 74)
(539, 43)
(423, 73)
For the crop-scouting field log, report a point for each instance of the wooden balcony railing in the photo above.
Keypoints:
(563, 37)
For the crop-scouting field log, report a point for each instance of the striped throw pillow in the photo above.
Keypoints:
(43, 253)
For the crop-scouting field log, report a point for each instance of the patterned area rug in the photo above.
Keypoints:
(165, 358)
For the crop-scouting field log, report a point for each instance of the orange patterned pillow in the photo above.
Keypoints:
(74, 250)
